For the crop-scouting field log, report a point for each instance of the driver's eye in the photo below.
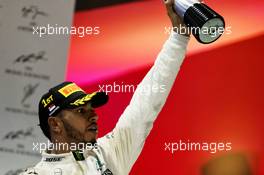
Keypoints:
(81, 111)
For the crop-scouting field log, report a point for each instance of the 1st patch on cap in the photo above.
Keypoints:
(47, 101)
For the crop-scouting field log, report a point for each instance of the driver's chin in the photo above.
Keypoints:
(90, 137)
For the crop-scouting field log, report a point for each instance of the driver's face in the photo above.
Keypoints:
(80, 124)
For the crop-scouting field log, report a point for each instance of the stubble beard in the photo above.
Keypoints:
(73, 135)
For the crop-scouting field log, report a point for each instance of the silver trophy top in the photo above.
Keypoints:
(182, 5)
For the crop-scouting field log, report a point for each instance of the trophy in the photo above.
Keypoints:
(206, 25)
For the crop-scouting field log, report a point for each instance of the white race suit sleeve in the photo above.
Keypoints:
(122, 146)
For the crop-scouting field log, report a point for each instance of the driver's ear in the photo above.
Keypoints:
(55, 124)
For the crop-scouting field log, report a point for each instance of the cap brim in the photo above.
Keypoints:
(97, 99)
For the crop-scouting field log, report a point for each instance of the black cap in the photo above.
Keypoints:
(67, 95)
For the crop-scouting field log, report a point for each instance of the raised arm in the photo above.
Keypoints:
(123, 145)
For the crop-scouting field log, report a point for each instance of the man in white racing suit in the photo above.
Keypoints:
(67, 115)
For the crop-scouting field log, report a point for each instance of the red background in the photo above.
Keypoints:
(218, 94)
